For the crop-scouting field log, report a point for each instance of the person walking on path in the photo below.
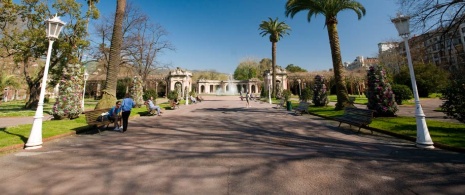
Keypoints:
(127, 105)
(114, 114)
(247, 96)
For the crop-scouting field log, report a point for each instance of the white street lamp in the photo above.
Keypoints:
(53, 29)
(268, 77)
(300, 90)
(423, 137)
(86, 76)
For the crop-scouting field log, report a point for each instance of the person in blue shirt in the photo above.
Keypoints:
(127, 105)
(114, 114)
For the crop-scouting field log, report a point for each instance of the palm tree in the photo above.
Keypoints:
(276, 30)
(329, 9)
(109, 92)
(7, 80)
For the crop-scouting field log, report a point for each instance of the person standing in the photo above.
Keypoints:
(247, 96)
(127, 105)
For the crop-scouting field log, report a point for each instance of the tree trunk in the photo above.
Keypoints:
(341, 90)
(273, 67)
(34, 93)
(109, 91)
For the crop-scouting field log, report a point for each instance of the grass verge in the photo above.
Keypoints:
(445, 133)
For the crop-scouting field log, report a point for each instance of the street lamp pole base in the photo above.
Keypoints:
(424, 146)
(32, 147)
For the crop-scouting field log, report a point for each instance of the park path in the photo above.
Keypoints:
(428, 105)
(221, 147)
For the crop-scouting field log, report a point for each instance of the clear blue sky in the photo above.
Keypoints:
(219, 34)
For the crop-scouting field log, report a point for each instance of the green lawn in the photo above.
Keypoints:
(451, 134)
(19, 134)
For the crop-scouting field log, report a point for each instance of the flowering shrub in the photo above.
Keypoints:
(320, 94)
(69, 101)
(137, 91)
(379, 93)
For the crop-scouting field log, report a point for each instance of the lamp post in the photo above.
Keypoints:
(268, 77)
(53, 30)
(423, 137)
(86, 76)
(300, 90)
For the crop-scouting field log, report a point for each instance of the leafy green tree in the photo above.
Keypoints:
(109, 90)
(23, 38)
(246, 70)
(380, 96)
(264, 65)
(294, 68)
(429, 78)
(329, 9)
(276, 30)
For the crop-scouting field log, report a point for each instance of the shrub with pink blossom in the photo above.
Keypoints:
(68, 102)
(380, 96)
(137, 91)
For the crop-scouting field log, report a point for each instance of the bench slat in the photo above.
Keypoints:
(356, 116)
(91, 118)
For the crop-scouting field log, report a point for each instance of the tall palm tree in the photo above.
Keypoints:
(276, 30)
(109, 91)
(329, 9)
(7, 80)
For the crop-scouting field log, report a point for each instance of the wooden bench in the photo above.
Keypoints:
(92, 116)
(151, 112)
(356, 116)
(173, 105)
(303, 107)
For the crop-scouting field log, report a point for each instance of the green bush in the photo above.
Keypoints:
(121, 87)
(402, 93)
(454, 93)
(286, 94)
(306, 95)
(429, 78)
(172, 95)
(150, 93)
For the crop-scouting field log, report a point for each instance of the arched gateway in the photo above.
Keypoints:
(228, 87)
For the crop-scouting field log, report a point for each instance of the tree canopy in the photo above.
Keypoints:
(294, 68)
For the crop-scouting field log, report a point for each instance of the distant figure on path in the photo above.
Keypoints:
(247, 96)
